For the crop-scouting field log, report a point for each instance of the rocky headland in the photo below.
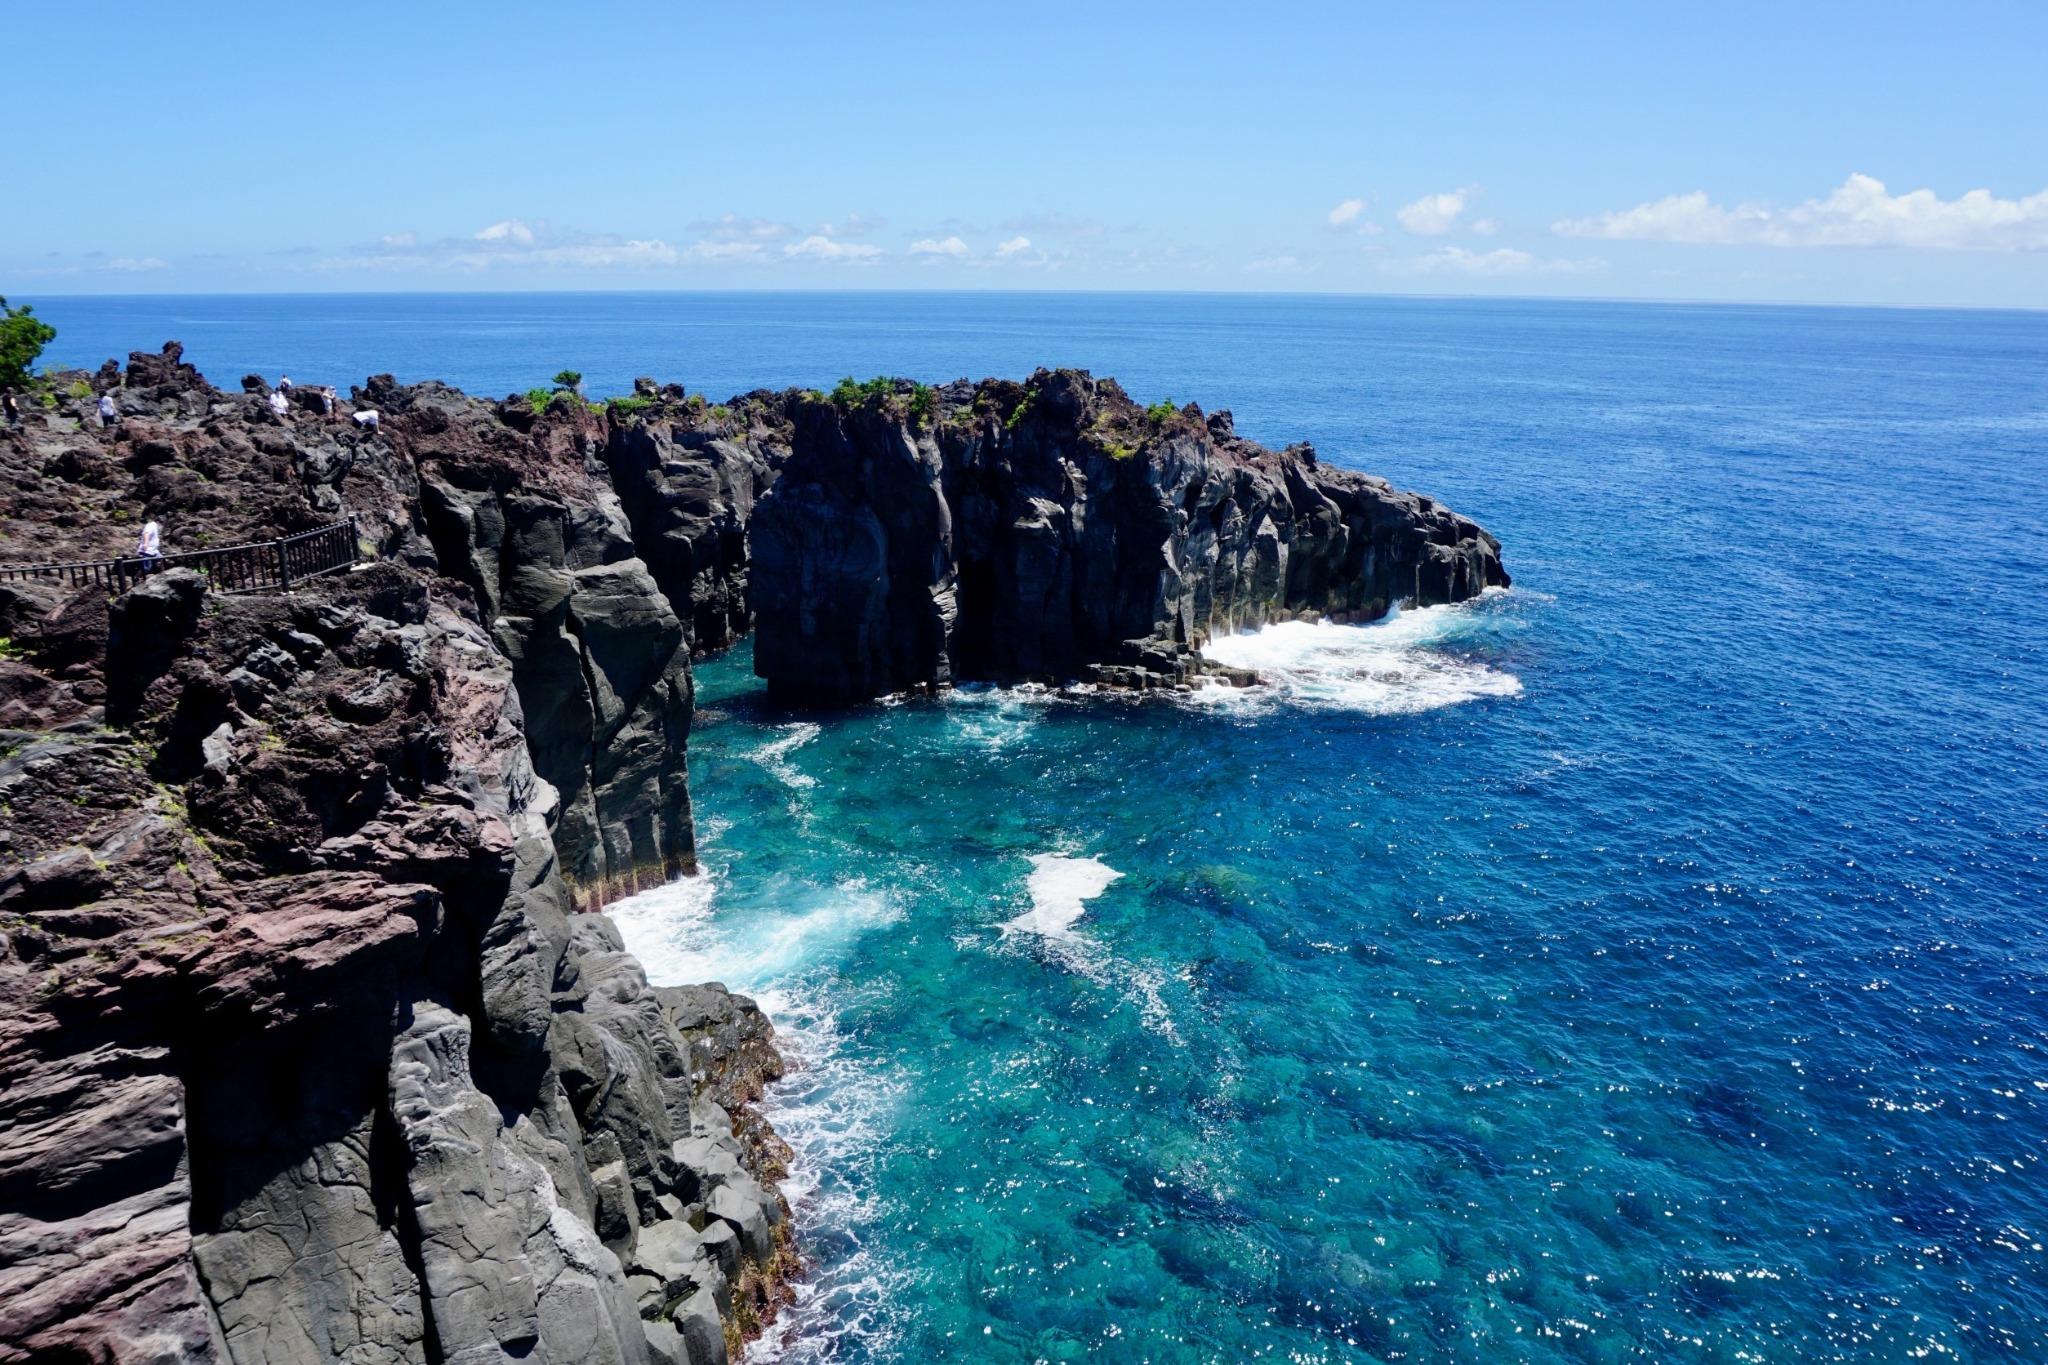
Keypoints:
(314, 1041)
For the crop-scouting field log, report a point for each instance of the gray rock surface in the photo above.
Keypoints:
(305, 1054)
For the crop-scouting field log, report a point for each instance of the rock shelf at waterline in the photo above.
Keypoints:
(357, 820)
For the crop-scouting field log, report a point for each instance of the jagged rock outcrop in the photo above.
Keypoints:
(522, 510)
(304, 1054)
(689, 476)
(1055, 530)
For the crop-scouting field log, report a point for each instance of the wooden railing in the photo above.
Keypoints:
(262, 566)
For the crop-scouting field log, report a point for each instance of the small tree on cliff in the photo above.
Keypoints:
(22, 338)
(572, 380)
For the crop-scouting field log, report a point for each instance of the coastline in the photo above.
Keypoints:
(367, 813)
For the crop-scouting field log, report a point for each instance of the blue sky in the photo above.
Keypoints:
(1872, 152)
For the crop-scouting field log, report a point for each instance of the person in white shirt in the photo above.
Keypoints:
(149, 545)
(106, 407)
(279, 404)
(284, 381)
(367, 419)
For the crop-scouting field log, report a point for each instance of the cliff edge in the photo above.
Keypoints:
(304, 1053)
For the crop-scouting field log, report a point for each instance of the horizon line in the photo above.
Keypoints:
(1408, 295)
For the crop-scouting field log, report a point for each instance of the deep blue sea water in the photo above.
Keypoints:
(1649, 963)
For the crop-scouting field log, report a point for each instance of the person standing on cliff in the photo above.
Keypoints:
(149, 545)
(108, 415)
(284, 384)
(10, 407)
(327, 403)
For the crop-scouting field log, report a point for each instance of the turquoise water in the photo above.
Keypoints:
(1645, 964)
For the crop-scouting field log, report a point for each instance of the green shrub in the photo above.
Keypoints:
(1021, 411)
(569, 379)
(849, 393)
(924, 401)
(22, 338)
(718, 412)
(79, 389)
(538, 399)
(1162, 411)
(626, 407)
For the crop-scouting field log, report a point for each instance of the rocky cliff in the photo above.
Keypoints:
(1055, 530)
(304, 1054)
(312, 1045)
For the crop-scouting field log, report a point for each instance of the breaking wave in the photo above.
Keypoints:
(1060, 888)
(834, 1107)
(1404, 664)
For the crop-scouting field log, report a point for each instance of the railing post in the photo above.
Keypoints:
(284, 568)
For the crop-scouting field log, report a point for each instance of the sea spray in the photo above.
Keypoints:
(832, 1107)
(1400, 665)
(1060, 887)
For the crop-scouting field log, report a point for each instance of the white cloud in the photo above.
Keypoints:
(852, 225)
(1457, 260)
(1013, 246)
(818, 246)
(1486, 227)
(1434, 214)
(136, 264)
(1349, 217)
(1281, 265)
(510, 242)
(950, 246)
(1859, 212)
(508, 230)
(710, 250)
(730, 227)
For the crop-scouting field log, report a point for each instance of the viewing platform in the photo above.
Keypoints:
(259, 566)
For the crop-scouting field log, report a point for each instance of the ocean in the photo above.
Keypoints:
(1647, 963)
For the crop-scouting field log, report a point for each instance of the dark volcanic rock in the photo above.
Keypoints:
(304, 1055)
(1056, 530)
(689, 477)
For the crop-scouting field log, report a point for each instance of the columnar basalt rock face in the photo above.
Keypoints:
(689, 476)
(1055, 530)
(304, 1054)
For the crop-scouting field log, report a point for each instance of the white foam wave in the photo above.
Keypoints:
(1396, 666)
(1060, 888)
(672, 932)
(994, 718)
(774, 755)
(833, 1108)
(834, 1111)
